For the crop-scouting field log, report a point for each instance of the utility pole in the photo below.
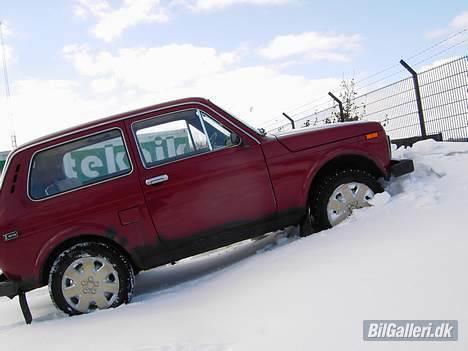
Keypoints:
(7, 87)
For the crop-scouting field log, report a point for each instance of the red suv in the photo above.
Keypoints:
(85, 209)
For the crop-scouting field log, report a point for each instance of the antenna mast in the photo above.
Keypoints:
(7, 86)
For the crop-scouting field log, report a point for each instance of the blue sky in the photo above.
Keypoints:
(73, 61)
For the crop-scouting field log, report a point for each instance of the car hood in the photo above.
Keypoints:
(304, 138)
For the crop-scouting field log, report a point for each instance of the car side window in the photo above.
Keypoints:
(218, 135)
(178, 135)
(82, 162)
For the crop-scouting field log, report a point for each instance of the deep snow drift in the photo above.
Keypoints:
(404, 258)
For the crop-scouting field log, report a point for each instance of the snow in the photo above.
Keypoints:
(403, 258)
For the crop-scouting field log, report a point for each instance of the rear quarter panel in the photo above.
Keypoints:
(43, 225)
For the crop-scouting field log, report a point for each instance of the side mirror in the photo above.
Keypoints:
(235, 139)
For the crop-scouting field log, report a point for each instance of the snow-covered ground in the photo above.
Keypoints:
(404, 258)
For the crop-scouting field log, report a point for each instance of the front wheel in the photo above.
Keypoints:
(341, 192)
(90, 276)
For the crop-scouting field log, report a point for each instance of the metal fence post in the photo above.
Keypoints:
(422, 123)
(340, 105)
(293, 124)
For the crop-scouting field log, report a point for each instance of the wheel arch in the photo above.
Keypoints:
(55, 250)
(343, 161)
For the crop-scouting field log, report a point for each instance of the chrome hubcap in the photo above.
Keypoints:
(345, 198)
(90, 283)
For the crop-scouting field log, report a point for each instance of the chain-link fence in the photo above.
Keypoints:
(443, 92)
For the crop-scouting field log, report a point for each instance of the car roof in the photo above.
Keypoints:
(110, 119)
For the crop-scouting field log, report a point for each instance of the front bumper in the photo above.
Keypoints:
(401, 167)
(8, 288)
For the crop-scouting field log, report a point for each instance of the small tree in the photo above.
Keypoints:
(352, 111)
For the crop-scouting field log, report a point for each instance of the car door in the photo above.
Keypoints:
(195, 181)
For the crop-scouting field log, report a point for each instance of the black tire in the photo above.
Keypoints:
(320, 197)
(118, 261)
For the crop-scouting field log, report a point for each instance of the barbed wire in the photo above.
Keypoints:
(439, 43)
(360, 81)
(441, 52)
(453, 35)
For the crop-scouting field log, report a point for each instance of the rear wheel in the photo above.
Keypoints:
(90, 276)
(341, 192)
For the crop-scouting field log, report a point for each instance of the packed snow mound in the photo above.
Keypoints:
(403, 258)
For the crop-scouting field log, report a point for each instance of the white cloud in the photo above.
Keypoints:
(96, 8)
(258, 93)
(103, 85)
(112, 82)
(110, 22)
(313, 45)
(39, 107)
(85, 63)
(6, 29)
(458, 23)
(176, 71)
(7, 32)
(208, 5)
(9, 54)
(151, 69)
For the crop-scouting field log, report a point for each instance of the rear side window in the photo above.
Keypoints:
(79, 163)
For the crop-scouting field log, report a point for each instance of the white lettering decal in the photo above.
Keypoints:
(87, 165)
(69, 165)
(159, 149)
(171, 151)
(119, 159)
(146, 155)
(110, 159)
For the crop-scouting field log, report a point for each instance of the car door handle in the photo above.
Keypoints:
(156, 180)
